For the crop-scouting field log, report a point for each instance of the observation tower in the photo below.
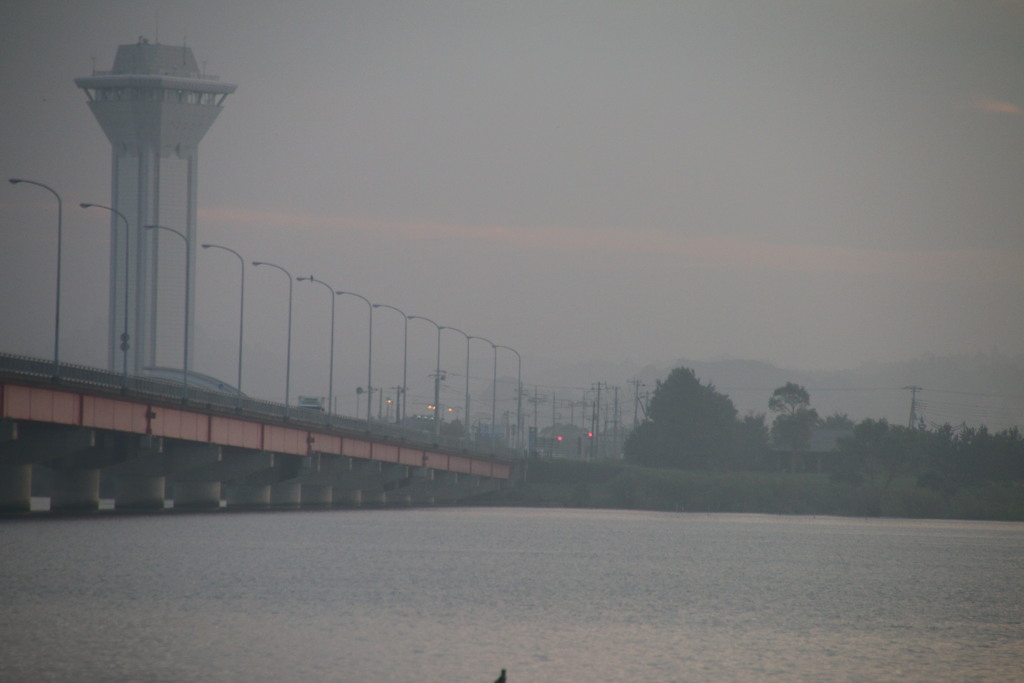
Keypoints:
(154, 106)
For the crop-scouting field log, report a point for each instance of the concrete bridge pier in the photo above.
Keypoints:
(203, 473)
(23, 445)
(139, 482)
(421, 486)
(450, 487)
(285, 494)
(196, 495)
(15, 488)
(356, 482)
(269, 482)
(348, 498)
(75, 490)
(305, 482)
(317, 496)
(247, 496)
(16, 476)
(373, 498)
(139, 493)
(195, 483)
(394, 476)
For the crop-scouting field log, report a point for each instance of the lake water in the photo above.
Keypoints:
(551, 595)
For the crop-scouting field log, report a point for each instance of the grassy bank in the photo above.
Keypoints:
(622, 486)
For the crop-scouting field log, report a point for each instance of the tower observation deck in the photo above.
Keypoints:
(154, 106)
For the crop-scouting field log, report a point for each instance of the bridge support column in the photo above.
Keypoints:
(348, 498)
(373, 498)
(139, 493)
(317, 495)
(247, 496)
(15, 488)
(196, 495)
(75, 490)
(285, 495)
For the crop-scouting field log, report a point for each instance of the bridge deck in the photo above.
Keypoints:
(81, 408)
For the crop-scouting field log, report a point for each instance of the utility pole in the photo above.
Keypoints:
(536, 400)
(595, 423)
(636, 402)
(913, 405)
(615, 432)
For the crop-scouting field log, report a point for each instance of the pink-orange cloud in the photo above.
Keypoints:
(992, 106)
(680, 249)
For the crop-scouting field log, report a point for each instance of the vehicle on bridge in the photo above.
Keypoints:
(311, 402)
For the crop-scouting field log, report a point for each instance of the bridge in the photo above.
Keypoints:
(71, 432)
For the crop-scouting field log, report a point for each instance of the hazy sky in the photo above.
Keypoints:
(814, 183)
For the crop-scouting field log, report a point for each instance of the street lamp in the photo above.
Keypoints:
(330, 375)
(519, 393)
(188, 295)
(60, 236)
(494, 379)
(127, 256)
(466, 405)
(369, 362)
(437, 376)
(241, 313)
(288, 366)
(399, 409)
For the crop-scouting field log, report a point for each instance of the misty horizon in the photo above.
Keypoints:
(818, 186)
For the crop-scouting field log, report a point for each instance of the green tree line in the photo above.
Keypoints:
(692, 426)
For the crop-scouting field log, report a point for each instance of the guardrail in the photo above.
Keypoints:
(165, 391)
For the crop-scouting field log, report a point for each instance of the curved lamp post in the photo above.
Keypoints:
(400, 408)
(241, 313)
(188, 295)
(494, 379)
(60, 237)
(288, 366)
(125, 337)
(465, 409)
(437, 376)
(330, 375)
(519, 393)
(369, 362)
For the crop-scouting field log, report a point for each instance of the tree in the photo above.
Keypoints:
(795, 421)
(882, 452)
(752, 443)
(689, 426)
(837, 420)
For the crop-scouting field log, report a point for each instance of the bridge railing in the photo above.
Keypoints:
(143, 387)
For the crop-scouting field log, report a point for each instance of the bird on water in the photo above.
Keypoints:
(501, 678)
